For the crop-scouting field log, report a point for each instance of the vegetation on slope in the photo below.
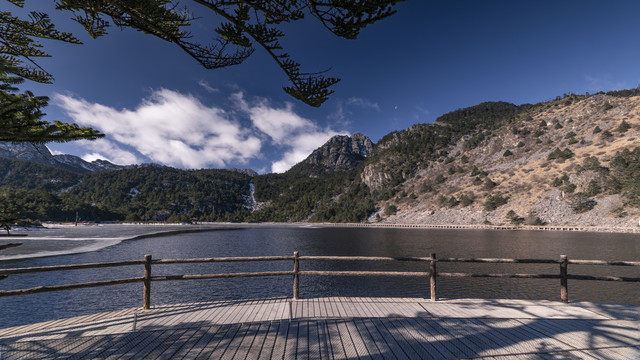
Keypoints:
(492, 158)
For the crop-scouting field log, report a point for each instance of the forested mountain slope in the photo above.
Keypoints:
(574, 160)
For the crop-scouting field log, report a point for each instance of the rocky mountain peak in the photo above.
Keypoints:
(39, 153)
(341, 153)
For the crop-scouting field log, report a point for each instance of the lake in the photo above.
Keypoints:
(310, 240)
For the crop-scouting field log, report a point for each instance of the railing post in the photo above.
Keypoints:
(146, 296)
(296, 276)
(564, 289)
(433, 274)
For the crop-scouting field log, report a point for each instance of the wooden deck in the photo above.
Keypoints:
(338, 328)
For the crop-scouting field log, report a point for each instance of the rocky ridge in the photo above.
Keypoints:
(341, 153)
(517, 162)
(39, 153)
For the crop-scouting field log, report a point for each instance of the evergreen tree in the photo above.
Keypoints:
(244, 24)
(21, 113)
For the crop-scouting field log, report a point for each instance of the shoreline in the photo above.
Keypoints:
(212, 226)
(572, 228)
(80, 245)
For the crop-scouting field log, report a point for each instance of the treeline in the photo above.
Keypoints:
(31, 175)
(296, 196)
(144, 193)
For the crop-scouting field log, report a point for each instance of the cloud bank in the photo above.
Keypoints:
(178, 130)
(286, 129)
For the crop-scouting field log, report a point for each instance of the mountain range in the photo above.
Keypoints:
(572, 160)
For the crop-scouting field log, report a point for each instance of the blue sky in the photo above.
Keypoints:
(156, 104)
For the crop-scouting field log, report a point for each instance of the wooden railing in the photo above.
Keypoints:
(432, 274)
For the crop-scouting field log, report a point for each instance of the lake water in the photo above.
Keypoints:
(264, 241)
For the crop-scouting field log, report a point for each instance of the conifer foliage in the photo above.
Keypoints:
(244, 24)
(21, 113)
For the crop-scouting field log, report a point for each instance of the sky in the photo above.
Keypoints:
(158, 105)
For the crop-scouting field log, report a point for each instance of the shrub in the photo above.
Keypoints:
(596, 129)
(607, 106)
(560, 154)
(569, 188)
(440, 179)
(557, 126)
(426, 187)
(465, 200)
(624, 126)
(494, 201)
(606, 134)
(513, 217)
(570, 135)
(390, 209)
(593, 188)
(520, 144)
(489, 184)
(507, 153)
(591, 163)
(581, 203)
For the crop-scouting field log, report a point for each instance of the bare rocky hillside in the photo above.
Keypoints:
(549, 163)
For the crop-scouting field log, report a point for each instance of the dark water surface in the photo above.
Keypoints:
(325, 241)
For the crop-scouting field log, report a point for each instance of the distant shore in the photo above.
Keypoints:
(208, 226)
(574, 228)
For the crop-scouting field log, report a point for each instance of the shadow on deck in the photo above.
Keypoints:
(339, 328)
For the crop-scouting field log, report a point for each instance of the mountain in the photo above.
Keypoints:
(40, 154)
(574, 160)
(323, 187)
(567, 161)
(340, 154)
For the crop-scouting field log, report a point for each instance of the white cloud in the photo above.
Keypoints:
(285, 128)
(54, 152)
(344, 108)
(205, 85)
(116, 154)
(169, 127)
(178, 130)
(302, 145)
(279, 124)
(363, 103)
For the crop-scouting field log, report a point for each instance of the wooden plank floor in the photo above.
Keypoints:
(338, 328)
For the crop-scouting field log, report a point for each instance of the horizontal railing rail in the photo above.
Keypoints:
(432, 274)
